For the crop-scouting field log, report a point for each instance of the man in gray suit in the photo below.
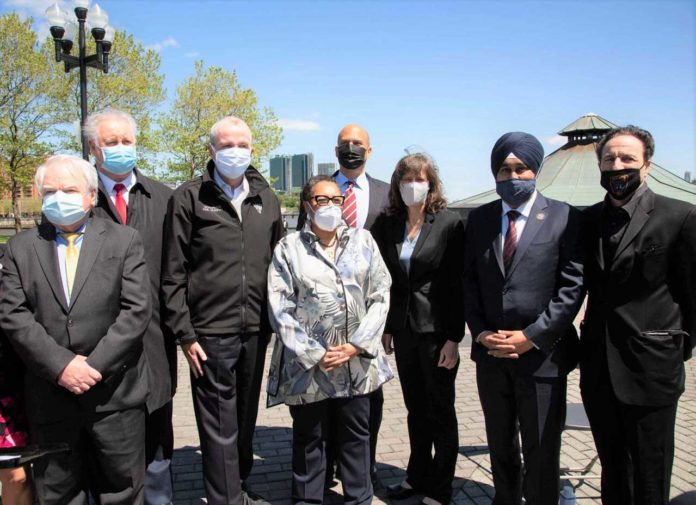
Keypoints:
(75, 303)
(523, 287)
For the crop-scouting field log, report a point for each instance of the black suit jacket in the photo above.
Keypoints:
(540, 295)
(147, 208)
(641, 313)
(379, 200)
(430, 298)
(105, 321)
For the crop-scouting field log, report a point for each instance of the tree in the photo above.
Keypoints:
(26, 113)
(133, 84)
(201, 100)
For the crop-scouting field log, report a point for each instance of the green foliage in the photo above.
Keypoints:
(27, 115)
(289, 201)
(200, 101)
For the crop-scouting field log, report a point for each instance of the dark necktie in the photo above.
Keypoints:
(120, 202)
(510, 239)
(350, 207)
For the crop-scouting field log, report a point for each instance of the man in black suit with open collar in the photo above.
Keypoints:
(370, 198)
(523, 287)
(75, 303)
(640, 324)
(126, 196)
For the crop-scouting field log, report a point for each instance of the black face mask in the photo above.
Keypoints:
(351, 156)
(621, 183)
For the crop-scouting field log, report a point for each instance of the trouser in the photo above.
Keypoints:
(538, 404)
(635, 446)
(226, 402)
(432, 420)
(309, 428)
(107, 458)
(159, 447)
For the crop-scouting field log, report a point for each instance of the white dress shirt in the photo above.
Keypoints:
(521, 220)
(109, 184)
(361, 188)
(236, 195)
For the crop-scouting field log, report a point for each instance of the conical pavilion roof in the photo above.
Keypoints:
(570, 173)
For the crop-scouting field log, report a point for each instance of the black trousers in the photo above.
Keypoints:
(159, 448)
(226, 402)
(107, 459)
(635, 446)
(538, 404)
(309, 428)
(432, 420)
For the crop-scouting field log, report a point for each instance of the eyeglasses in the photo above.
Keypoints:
(322, 200)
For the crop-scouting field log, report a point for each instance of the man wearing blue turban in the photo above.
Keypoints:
(523, 288)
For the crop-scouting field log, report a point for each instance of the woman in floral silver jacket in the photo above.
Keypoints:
(328, 291)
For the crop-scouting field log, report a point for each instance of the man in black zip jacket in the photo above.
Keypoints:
(220, 232)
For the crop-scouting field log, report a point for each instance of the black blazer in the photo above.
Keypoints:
(106, 320)
(641, 312)
(379, 200)
(540, 295)
(430, 298)
(147, 208)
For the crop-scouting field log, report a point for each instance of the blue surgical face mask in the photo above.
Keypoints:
(63, 209)
(515, 192)
(119, 159)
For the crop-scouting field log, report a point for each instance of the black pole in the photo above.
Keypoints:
(83, 88)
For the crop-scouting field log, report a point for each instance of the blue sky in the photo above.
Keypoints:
(450, 76)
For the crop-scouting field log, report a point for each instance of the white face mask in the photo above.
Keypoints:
(328, 217)
(232, 161)
(414, 193)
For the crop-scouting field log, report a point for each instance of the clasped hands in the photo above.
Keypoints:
(449, 354)
(78, 376)
(510, 344)
(337, 355)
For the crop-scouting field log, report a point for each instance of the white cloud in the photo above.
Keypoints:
(192, 54)
(302, 125)
(35, 8)
(556, 140)
(168, 42)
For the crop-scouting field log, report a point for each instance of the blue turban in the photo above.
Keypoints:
(524, 146)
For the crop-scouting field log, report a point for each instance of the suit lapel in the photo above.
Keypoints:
(640, 216)
(497, 244)
(537, 218)
(373, 204)
(426, 227)
(91, 244)
(45, 248)
(110, 208)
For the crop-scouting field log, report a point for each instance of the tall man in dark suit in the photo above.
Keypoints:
(126, 196)
(75, 304)
(640, 324)
(523, 287)
(220, 232)
(366, 198)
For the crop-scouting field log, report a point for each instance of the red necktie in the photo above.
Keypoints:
(510, 240)
(350, 207)
(121, 206)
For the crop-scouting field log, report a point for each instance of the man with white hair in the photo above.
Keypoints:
(75, 305)
(220, 232)
(127, 196)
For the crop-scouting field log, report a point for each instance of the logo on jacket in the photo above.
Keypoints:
(208, 208)
(258, 207)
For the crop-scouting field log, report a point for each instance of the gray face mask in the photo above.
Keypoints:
(515, 192)
(327, 217)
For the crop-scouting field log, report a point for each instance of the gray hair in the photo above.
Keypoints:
(233, 120)
(93, 120)
(88, 171)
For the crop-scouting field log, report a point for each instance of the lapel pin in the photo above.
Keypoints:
(541, 216)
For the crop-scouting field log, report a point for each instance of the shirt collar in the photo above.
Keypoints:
(360, 182)
(109, 183)
(243, 188)
(80, 230)
(525, 209)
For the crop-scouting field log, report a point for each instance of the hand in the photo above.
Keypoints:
(336, 356)
(514, 345)
(449, 355)
(194, 355)
(78, 377)
(387, 343)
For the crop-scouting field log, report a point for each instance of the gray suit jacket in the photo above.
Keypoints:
(540, 294)
(105, 321)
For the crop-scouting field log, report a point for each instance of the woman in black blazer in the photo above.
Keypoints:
(422, 245)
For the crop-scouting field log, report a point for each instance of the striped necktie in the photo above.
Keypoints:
(72, 254)
(510, 240)
(350, 207)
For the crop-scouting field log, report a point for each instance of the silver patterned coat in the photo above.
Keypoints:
(315, 303)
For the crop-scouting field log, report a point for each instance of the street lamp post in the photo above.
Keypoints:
(64, 31)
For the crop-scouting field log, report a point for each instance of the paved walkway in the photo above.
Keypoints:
(272, 445)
